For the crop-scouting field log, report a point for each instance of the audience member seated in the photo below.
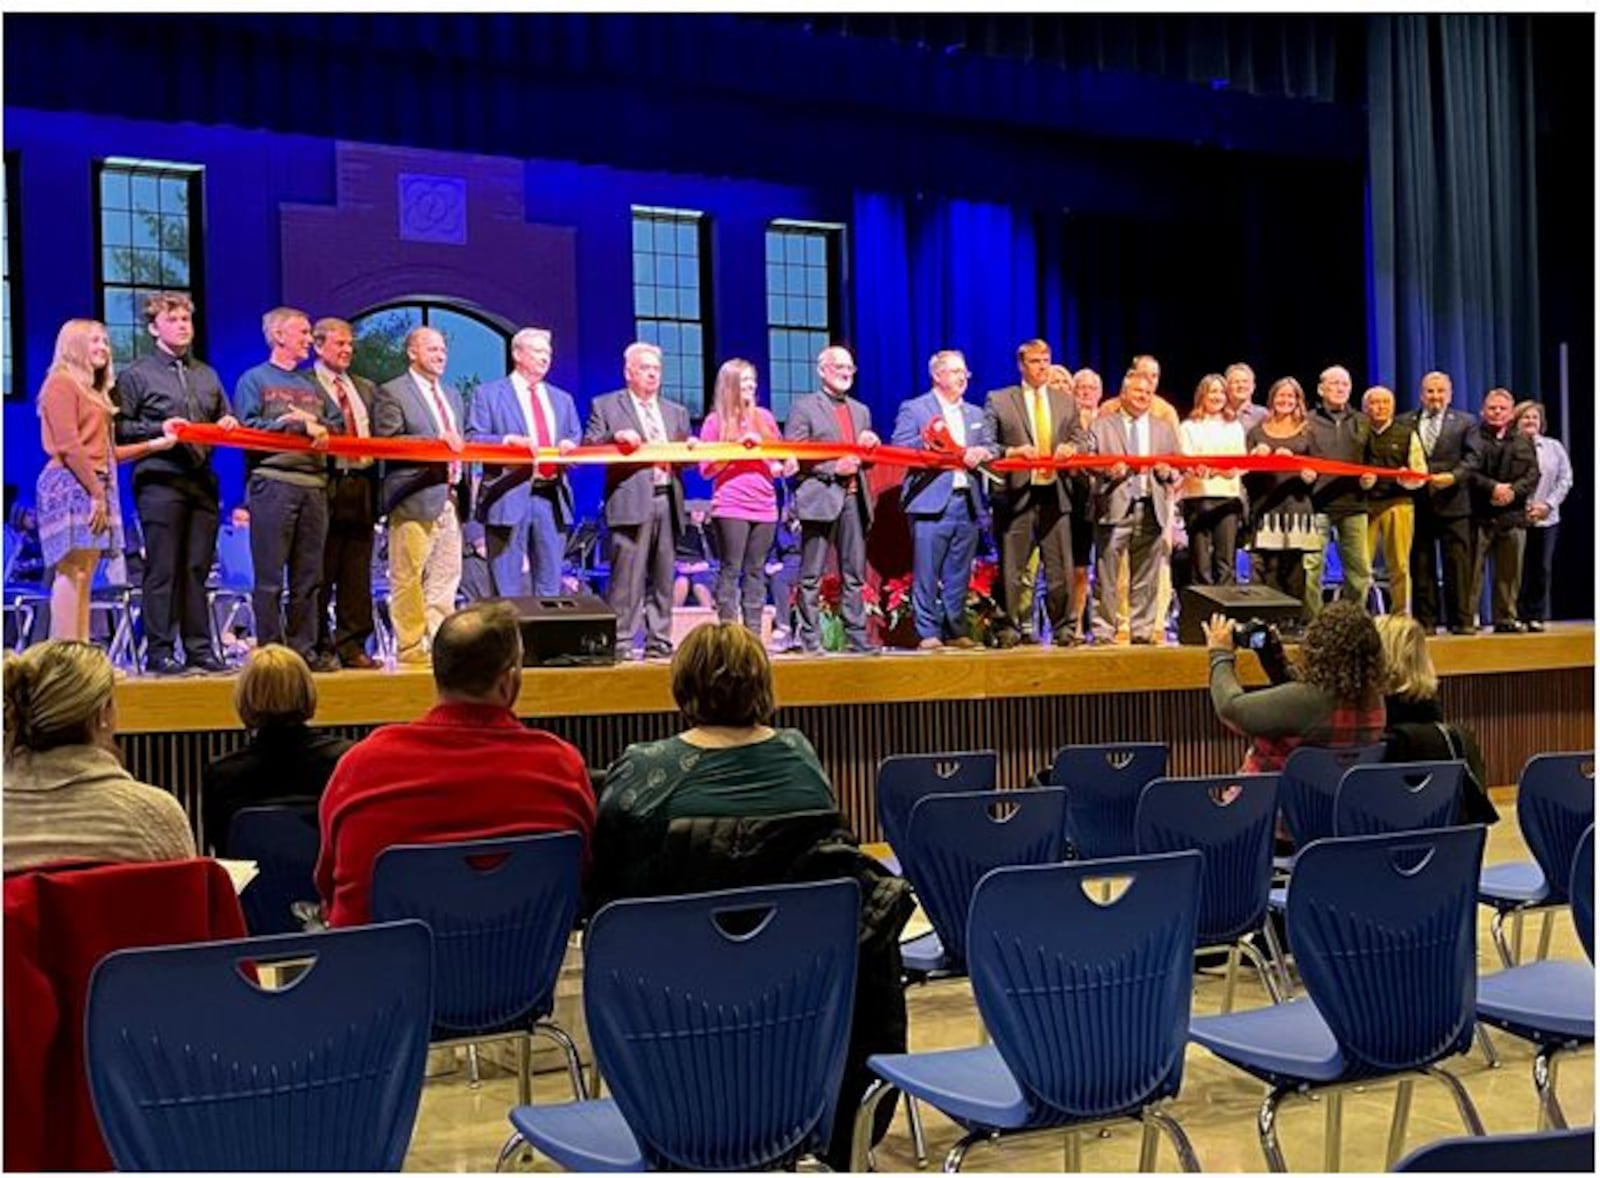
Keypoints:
(1335, 701)
(467, 769)
(1417, 730)
(695, 579)
(733, 802)
(67, 796)
(285, 763)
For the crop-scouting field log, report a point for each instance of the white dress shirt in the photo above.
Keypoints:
(956, 422)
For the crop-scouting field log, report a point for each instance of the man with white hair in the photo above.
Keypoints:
(1339, 502)
(523, 409)
(643, 500)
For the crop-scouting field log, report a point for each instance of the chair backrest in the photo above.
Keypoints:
(1229, 820)
(501, 912)
(1088, 1000)
(720, 1020)
(1103, 783)
(905, 778)
(1310, 781)
(1384, 930)
(284, 842)
(1414, 795)
(1555, 805)
(235, 569)
(1556, 1151)
(194, 1066)
(954, 840)
(1581, 891)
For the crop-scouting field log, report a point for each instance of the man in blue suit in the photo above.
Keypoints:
(943, 505)
(523, 410)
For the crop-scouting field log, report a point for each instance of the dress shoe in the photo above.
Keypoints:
(657, 653)
(961, 643)
(1141, 642)
(930, 644)
(1065, 641)
(1511, 627)
(165, 665)
(1464, 630)
(323, 663)
(1535, 625)
(360, 661)
(208, 664)
(1006, 638)
(414, 658)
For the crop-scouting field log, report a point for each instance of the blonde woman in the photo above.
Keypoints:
(1281, 523)
(67, 796)
(1212, 496)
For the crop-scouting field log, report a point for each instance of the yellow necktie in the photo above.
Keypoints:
(1041, 433)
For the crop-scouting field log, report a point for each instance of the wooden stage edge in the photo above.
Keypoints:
(147, 705)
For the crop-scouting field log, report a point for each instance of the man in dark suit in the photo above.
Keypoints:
(421, 498)
(352, 506)
(943, 505)
(831, 499)
(523, 410)
(643, 501)
(1133, 509)
(1507, 477)
(1034, 508)
(1444, 510)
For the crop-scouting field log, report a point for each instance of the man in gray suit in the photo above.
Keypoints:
(1132, 509)
(831, 499)
(643, 501)
(421, 497)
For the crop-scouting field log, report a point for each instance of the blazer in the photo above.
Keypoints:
(1113, 498)
(927, 492)
(1010, 425)
(496, 413)
(1455, 452)
(629, 485)
(818, 493)
(346, 505)
(1510, 459)
(413, 490)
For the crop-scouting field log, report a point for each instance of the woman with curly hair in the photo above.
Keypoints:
(1335, 701)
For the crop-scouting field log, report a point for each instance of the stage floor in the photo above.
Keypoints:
(149, 705)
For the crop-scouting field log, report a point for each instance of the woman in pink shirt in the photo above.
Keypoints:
(744, 500)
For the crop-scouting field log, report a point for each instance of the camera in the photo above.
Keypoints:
(1251, 635)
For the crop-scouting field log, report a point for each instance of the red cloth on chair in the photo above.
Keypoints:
(60, 921)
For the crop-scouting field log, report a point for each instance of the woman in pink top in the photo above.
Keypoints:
(744, 500)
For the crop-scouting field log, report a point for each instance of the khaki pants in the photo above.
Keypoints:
(1393, 525)
(424, 574)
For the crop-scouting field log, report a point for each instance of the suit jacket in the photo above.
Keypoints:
(630, 488)
(818, 495)
(1456, 452)
(346, 505)
(496, 414)
(927, 492)
(1010, 425)
(413, 490)
(1113, 499)
(1510, 459)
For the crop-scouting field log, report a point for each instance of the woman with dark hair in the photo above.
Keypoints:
(1335, 700)
(1281, 524)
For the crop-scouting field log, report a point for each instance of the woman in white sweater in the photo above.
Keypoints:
(1212, 496)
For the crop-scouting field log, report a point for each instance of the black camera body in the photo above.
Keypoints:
(1251, 634)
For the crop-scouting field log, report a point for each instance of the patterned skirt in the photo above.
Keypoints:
(64, 512)
(1286, 531)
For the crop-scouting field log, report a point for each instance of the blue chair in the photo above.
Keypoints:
(111, 594)
(1103, 783)
(721, 1021)
(1229, 820)
(284, 842)
(1560, 1151)
(1087, 1002)
(235, 583)
(1555, 805)
(1549, 1003)
(1310, 782)
(23, 599)
(1384, 928)
(195, 1066)
(501, 912)
(905, 778)
(1382, 799)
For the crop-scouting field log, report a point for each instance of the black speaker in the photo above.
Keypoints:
(576, 631)
(1240, 603)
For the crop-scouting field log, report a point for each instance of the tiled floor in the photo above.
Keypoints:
(462, 1129)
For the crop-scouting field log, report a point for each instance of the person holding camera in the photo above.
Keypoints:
(1333, 700)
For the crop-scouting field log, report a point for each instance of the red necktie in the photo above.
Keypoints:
(340, 392)
(541, 433)
(443, 411)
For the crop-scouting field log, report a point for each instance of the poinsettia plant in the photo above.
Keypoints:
(983, 609)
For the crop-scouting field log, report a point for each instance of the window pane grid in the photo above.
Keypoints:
(800, 308)
(5, 281)
(668, 304)
(148, 245)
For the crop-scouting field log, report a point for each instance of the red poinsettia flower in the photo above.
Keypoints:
(829, 590)
(982, 582)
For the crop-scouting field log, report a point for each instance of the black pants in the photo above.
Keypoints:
(744, 545)
(1213, 527)
(1442, 545)
(1533, 604)
(288, 530)
(847, 534)
(1284, 571)
(347, 568)
(178, 515)
(1036, 520)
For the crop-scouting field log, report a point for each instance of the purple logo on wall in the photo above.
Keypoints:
(433, 208)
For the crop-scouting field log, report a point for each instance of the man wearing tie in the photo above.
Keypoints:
(1034, 508)
(1133, 507)
(943, 505)
(1444, 510)
(523, 410)
(352, 505)
(643, 501)
(421, 497)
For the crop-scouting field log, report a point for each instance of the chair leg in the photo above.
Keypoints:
(1544, 1083)
(1464, 1105)
(509, 1150)
(569, 1048)
(1267, 1130)
(1516, 937)
(861, 1134)
(919, 1141)
(1497, 931)
(1487, 1045)
(1263, 970)
(1072, 1153)
(1149, 1142)
(1230, 979)
(474, 1078)
(958, 1152)
(1397, 1125)
(1333, 1139)
(1180, 1140)
(1278, 955)
(1546, 926)
(525, 1069)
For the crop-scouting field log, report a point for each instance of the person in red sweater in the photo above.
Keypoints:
(467, 769)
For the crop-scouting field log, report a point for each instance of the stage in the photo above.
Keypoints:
(1521, 694)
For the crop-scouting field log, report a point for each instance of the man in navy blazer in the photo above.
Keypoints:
(523, 410)
(943, 505)
(643, 500)
(831, 499)
(1451, 443)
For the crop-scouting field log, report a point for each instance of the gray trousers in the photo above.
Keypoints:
(1504, 548)
(1139, 541)
(641, 579)
(848, 534)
